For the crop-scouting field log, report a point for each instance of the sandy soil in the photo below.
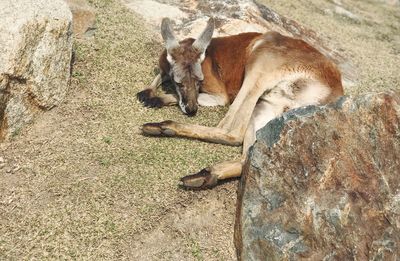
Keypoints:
(82, 183)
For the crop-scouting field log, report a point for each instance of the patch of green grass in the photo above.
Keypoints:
(196, 250)
(104, 162)
(77, 74)
(15, 133)
(107, 139)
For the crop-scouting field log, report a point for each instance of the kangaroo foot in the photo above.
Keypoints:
(158, 129)
(201, 180)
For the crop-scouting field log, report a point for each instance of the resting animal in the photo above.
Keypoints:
(259, 76)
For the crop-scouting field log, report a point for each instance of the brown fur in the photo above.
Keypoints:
(224, 65)
(261, 76)
(227, 57)
(296, 55)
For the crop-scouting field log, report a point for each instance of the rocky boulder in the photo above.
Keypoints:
(323, 183)
(84, 18)
(233, 17)
(35, 59)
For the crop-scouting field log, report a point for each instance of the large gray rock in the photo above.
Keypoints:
(323, 183)
(35, 59)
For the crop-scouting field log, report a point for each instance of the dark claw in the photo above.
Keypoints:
(144, 95)
(154, 102)
(201, 180)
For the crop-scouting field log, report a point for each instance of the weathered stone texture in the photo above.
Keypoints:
(323, 183)
(84, 18)
(35, 55)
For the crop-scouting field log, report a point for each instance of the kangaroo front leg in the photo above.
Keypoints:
(158, 100)
(174, 129)
(150, 98)
(209, 177)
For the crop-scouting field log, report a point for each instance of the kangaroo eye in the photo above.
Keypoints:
(199, 84)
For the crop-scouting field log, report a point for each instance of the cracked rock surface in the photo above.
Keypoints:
(322, 183)
(35, 55)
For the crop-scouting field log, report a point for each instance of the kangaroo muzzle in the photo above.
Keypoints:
(191, 110)
(188, 94)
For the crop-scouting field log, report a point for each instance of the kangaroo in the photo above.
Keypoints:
(259, 75)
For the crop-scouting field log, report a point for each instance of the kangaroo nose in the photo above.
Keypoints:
(191, 111)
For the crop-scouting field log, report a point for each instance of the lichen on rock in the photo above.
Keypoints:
(322, 183)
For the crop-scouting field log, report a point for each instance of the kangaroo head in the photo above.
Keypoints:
(185, 60)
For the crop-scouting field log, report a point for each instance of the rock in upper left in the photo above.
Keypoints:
(35, 59)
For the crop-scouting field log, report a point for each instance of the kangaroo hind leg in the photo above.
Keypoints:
(284, 96)
(210, 176)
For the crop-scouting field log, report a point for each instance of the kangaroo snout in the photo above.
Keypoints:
(191, 110)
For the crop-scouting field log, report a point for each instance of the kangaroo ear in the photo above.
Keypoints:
(204, 39)
(168, 35)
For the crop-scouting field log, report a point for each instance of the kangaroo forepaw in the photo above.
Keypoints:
(154, 102)
(144, 95)
(201, 180)
(147, 98)
(158, 129)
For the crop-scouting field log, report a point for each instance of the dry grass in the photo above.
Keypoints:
(82, 183)
(372, 43)
(89, 185)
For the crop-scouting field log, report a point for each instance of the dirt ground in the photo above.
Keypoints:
(82, 183)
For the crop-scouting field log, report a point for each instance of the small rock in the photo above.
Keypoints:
(84, 18)
(337, 2)
(389, 2)
(346, 13)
